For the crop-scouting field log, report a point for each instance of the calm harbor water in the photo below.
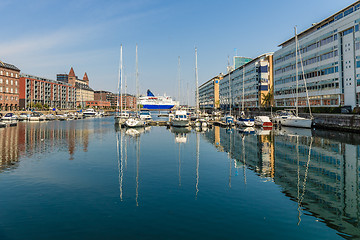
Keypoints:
(88, 179)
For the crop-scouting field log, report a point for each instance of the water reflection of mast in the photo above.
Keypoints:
(301, 198)
(230, 159)
(125, 153)
(179, 166)
(244, 160)
(137, 168)
(197, 161)
(120, 159)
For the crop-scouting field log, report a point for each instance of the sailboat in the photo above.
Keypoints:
(228, 118)
(136, 121)
(244, 121)
(290, 117)
(199, 121)
(120, 116)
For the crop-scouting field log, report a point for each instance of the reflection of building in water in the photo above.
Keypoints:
(256, 152)
(326, 184)
(331, 184)
(266, 155)
(42, 139)
(9, 148)
(28, 139)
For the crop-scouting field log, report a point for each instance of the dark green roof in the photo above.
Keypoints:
(8, 66)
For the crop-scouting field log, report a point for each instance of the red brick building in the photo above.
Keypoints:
(9, 87)
(98, 104)
(128, 101)
(38, 90)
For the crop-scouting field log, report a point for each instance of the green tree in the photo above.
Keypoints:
(38, 106)
(267, 98)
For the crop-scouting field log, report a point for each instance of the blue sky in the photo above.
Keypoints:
(44, 37)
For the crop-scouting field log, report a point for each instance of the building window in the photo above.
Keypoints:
(7, 73)
(16, 75)
(7, 90)
(1, 81)
(12, 74)
(11, 82)
(7, 81)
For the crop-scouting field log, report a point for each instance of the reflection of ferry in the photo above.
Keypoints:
(156, 102)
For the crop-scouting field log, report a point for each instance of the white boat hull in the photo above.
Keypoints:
(295, 122)
(180, 123)
(263, 121)
(134, 122)
(245, 123)
(120, 120)
(33, 119)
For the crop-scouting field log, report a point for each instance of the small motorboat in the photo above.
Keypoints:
(10, 117)
(24, 117)
(180, 119)
(263, 121)
(89, 113)
(135, 122)
(145, 115)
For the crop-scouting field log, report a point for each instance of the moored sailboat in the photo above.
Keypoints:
(136, 121)
(288, 117)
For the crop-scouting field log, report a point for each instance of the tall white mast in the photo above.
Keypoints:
(179, 79)
(137, 79)
(243, 90)
(230, 100)
(125, 91)
(296, 75)
(197, 83)
(119, 81)
(121, 78)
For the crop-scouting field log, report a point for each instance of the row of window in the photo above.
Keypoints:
(308, 48)
(308, 75)
(310, 61)
(326, 86)
(8, 90)
(7, 81)
(8, 98)
(317, 102)
(6, 73)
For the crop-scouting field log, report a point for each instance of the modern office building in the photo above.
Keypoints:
(9, 86)
(249, 84)
(51, 93)
(330, 55)
(209, 93)
(83, 91)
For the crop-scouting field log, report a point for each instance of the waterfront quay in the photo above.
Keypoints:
(104, 181)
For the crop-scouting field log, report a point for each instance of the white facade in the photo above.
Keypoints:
(247, 83)
(330, 51)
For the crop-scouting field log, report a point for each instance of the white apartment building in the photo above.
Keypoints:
(248, 83)
(330, 52)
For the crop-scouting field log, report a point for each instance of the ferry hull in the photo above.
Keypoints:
(157, 107)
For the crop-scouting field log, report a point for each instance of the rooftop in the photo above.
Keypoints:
(316, 26)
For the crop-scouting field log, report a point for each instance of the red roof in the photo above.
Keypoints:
(85, 78)
(71, 73)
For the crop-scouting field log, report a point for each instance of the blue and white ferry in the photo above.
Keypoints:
(156, 102)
